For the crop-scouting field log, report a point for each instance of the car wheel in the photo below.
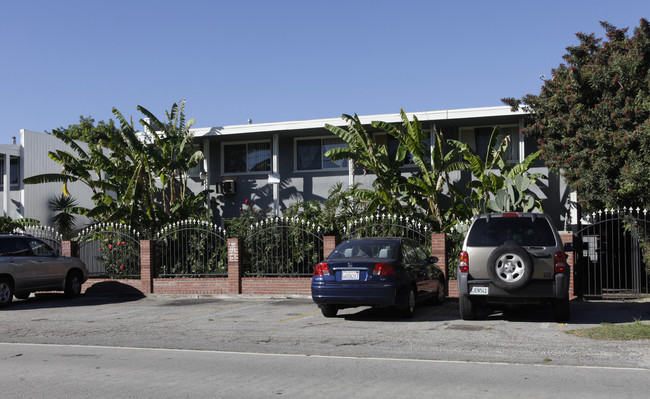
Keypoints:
(561, 309)
(408, 308)
(440, 296)
(6, 292)
(467, 308)
(510, 267)
(329, 310)
(73, 285)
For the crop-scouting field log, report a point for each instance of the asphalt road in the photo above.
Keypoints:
(148, 343)
(106, 372)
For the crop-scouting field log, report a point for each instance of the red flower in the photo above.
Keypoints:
(246, 201)
(122, 267)
(110, 246)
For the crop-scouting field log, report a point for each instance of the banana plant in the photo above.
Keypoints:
(133, 182)
(514, 197)
(365, 151)
(489, 173)
(434, 163)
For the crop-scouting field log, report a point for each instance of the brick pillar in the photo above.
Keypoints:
(567, 238)
(234, 266)
(329, 243)
(69, 248)
(439, 250)
(147, 263)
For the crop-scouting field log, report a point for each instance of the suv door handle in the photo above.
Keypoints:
(541, 255)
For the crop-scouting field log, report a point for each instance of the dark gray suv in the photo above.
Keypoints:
(28, 265)
(513, 258)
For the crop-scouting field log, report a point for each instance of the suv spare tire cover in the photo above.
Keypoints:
(510, 267)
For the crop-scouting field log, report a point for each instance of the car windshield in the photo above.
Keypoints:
(365, 249)
(523, 230)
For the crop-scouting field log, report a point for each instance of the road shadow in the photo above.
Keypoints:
(423, 313)
(98, 294)
(592, 312)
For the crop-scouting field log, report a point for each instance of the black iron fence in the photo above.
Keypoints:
(191, 248)
(282, 247)
(110, 250)
(612, 254)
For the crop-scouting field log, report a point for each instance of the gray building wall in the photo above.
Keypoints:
(296, 186)
(35, 161)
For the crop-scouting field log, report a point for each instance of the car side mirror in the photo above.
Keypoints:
(568, 247)
(432, 259)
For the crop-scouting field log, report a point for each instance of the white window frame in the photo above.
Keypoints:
(248, 171)
(516, 140)
(321, 138)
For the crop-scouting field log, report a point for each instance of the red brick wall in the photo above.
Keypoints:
(439, 250)
(234, 283)
(567, 238)
(276, 285)
(329, 243)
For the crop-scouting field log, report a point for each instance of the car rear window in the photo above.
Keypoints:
(382, 249)
(523, 230)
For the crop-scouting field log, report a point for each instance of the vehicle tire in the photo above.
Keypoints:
(467, 308)
(6, 292)
(24, 295)
(510, 267)
(408, 307)
(329, 310)
(441, 295)
(73, 284)
(561, 310)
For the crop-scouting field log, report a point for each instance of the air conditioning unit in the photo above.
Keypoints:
(229, 187)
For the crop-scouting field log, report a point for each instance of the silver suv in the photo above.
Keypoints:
(28, 265)
(513, 258)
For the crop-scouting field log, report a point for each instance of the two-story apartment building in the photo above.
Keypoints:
(273, 165)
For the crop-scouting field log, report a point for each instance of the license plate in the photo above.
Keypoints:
(479, 290)
(350, 275)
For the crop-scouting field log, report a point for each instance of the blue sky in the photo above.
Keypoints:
(279, 60)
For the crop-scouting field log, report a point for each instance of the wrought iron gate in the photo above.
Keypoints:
(612, 255)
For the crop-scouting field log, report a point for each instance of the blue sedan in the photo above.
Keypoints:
(377, 272)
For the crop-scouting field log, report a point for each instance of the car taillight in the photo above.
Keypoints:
(463, 265)
(510, 215)
(560, 262)
(321, 269)
(383, 269)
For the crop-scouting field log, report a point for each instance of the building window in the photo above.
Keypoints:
(310, 154)
(482, 138)
(246, 157)
(14, 172)
(392, 144)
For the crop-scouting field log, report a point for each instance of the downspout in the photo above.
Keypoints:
(275, 169)
(206, 168)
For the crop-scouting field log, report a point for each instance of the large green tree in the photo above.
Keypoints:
(139, 183)
(592, 118)
(86, 130)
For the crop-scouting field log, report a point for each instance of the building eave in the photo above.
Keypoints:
(277, 127)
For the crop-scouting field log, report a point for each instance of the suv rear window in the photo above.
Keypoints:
(523, 230)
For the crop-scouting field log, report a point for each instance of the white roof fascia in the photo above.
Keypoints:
(466, 113)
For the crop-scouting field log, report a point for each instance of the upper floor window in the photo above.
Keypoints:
(310, 153)
(392, 144)
(482, 139)
(248, 157)
(14, 172)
